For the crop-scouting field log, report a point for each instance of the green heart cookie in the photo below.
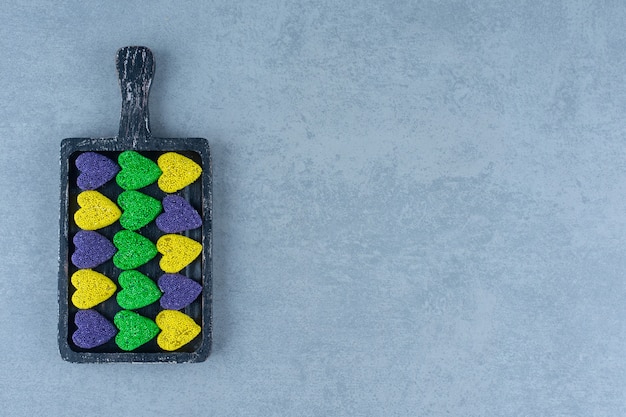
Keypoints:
(138, 290)
(135, 330)
(138, 209)
(137, 171)
(133, 250)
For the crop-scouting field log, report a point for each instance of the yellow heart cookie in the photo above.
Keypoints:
(178, 252)
(178, 172)
(92, 288)
(96, 211)
(177, 329)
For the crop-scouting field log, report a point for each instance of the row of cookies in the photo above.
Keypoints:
(130, 250)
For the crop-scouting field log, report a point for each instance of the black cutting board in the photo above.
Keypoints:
(135, 66)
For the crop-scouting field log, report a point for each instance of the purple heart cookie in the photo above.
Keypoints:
(93, 329)
(178, 291)
(92, 249)
(178, 215)
(95, 170)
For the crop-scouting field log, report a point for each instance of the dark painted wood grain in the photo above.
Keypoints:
(136, 68)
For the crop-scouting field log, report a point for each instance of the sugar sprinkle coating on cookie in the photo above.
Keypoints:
(93, 329)
(178, 291)
(178, 215)
(133, 250)
(177, 329)
(96, 211)
(95, 170)
(91, 249)
(138, 290)
(178, 172)
(134, 330)
(137, 171)
(178, 252)
(138, 209)
(92, 288)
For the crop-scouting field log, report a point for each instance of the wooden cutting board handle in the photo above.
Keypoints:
(135, 69)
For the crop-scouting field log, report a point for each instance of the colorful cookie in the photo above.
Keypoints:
(137, 290)
(178, 172)
(92, 288)
(96, 170)
(92, 329)
(178, 252)
(178, 215)
(133, 250)
(138, 209)
(137, 171)
(96, 211)
(177, 329)
(178, 291)
(134, 330)
(91, 249)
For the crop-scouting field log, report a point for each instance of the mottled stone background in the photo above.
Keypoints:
(419, 205)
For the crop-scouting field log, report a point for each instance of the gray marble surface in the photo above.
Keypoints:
(419, 205)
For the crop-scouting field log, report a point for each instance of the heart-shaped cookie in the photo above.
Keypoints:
(93, 329)
(138, 209)
(137, 290)
(178, 252)
(91, 249)
(177, 329)
(134, 330)
(178, 172)
(92, 288)
(137, 171)
(133, 250)
(95, 170)
(178, 215)
(178, 291)
(96, 211)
